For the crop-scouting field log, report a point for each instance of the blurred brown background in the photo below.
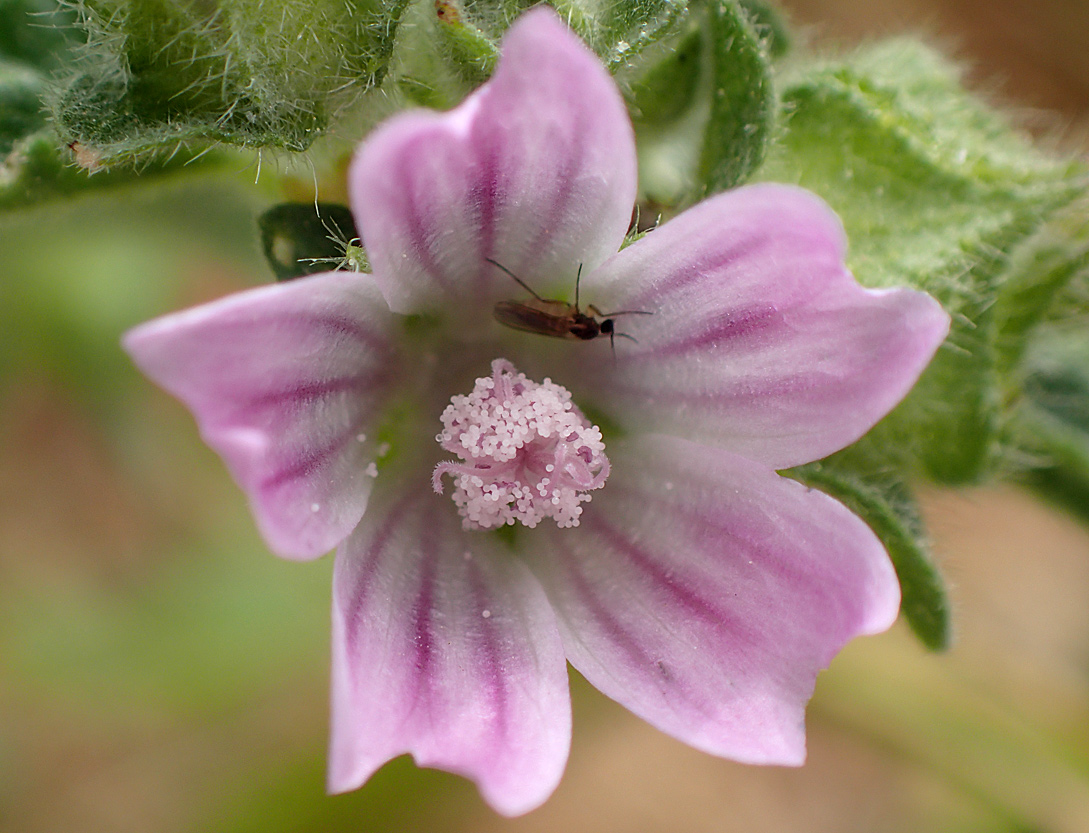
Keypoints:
(1031, 56)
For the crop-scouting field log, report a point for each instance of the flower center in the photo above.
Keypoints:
(527, 452)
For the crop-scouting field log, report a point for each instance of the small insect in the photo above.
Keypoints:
(353, 257)
(86, 157)
(556, 318)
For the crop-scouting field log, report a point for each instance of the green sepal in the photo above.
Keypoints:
(36, 33)
(21, 88)
(303, 239)
(1038, 276)
(469, 50)
(935, 192)
(34, 40)
(1050, 427)
(1064, 486)
(888, 508)
(768, 20)
(37, 39)
(619, 32)
(157, 74)
(667, 89)
(468, 37)
(442, 53)
(743, 105)
(39, 168)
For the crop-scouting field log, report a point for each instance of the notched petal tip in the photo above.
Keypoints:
(283, 380)
(444, 648)
(762, 341)
(719, 648)
(536, 170)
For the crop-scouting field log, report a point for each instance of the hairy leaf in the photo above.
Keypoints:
(157, 74)
(938, 193)
(743, 103)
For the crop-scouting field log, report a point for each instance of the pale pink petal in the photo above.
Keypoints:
(760, 340)
(705, 592)
(285, 382)
(444, 647)
(535, 170)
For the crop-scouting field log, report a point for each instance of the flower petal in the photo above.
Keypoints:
(760, 340)
(444, 646)
(284, 380)
(535, 170)
(704, 592)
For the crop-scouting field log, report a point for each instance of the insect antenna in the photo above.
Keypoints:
(622, 312)
(578, 277)
(519, 281)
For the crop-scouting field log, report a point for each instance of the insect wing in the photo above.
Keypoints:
(547, 318)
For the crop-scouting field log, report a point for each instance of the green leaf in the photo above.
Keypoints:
(935, 192)
(156, 74)
(303, 239)
(743, 103)
(887, 506)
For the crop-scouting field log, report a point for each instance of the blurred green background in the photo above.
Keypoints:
(161, 672)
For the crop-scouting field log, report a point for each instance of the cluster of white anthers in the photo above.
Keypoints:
(527, 453)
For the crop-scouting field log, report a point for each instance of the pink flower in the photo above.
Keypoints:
(697, 587)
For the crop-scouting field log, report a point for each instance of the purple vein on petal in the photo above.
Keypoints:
(753, 389)
(484, 199)
(341, 325)
(694, 604)
(492, 671)
(787, 573)
(368, 568)
(616, 632)
(423, 610)
(306, 393)
(417, 227)
(565, 184)
(691, 271)
(306, 465)
(727, 326)
(621, 637)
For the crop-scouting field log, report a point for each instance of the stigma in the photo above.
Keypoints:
(526, 452)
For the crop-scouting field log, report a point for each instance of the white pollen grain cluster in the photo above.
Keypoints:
(526, 452)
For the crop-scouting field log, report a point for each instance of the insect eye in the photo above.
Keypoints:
(607, 326)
